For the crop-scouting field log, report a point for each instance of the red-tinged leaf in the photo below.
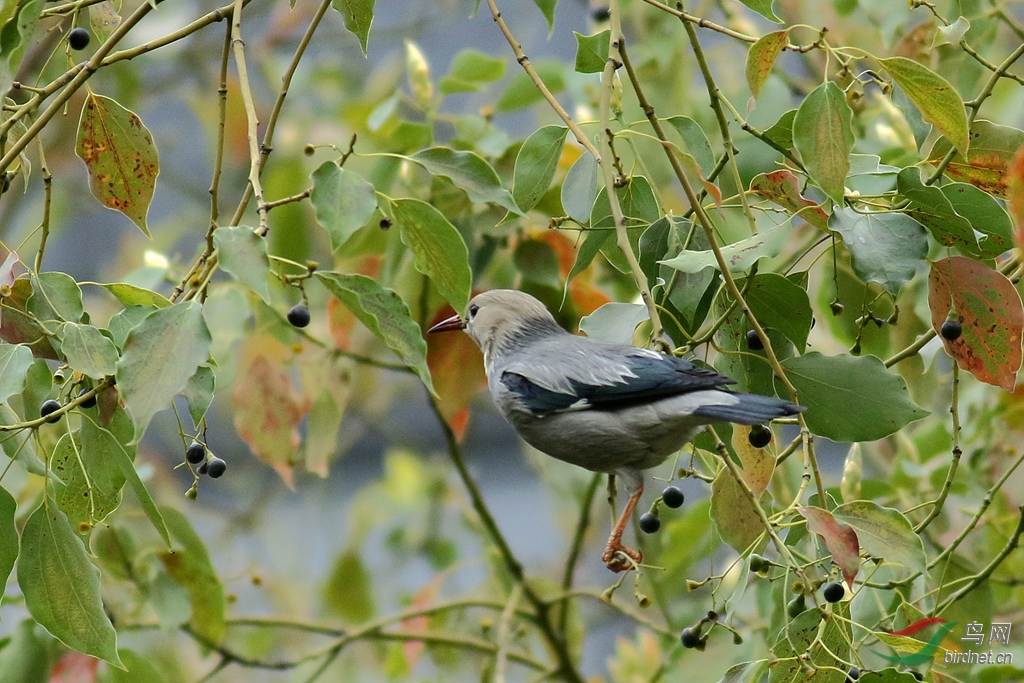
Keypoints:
(17, 327)
(988, 159)
(457, 369)
(267, 414)
(74, 667)
(783, 188)
(919, 625)
(425, 597)
(840, 539)
(121, 157)
(1015, 196)
(761, 58)
(990, 310)
(937, 100)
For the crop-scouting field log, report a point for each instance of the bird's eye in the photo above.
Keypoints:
(473, 310)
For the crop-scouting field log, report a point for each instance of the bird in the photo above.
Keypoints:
(606, 407)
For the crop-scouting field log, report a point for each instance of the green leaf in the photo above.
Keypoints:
(88, 351)
(521, 91)
(189, 565)
(952, 34)
(761, 58)
(579, 189)
(825, 646)
(934, 97)
(385, 314)
(130, 295)
(469, 172)
(823, 135)
(199, 392)
(886, 248)
(103, 19)
(592, 52)
(113, 448)
(695, 141)
(8, 537)
(884, 533)
(779, 304)
(470, 68)
(27, 654)
(121, 157)
(137, 669)
(160, 355)
(18, 445)
(62, 588)
(437, 247)
(851, 398)
(739, 256)
(764, 8)
(358, 15)
(15, 360)
(343, 201)
(615, 321)
(984, 214)
(126, 320)
(349, 590)
(243, 254)
(734, 515)
(17, 37)
(930, 207)
(92, 486)
(536, 164)
(55, 297)
(781, 132)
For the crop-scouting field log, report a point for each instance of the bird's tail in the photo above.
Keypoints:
(751, 409)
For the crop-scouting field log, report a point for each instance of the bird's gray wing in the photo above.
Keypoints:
(575, 374)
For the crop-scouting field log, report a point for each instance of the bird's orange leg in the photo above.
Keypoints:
(611, 558)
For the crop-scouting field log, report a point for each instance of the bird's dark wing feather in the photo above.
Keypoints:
(611, 380)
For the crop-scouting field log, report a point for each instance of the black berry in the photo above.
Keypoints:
(216, 467)
(600, 14)
(649, 524)
(837, 308)
(853, 674)
(298, 315)
(690, 638)
(202, 469)
(672, 497)
(951, 330)
(49, 406)
(795, 606)
(385, 223)
(195, 453)
(89, 402)
(753, 341)
(757, 563)
(760, 436)
(78, 39)
(834, 592)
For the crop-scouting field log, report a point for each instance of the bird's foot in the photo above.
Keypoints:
(618, 557)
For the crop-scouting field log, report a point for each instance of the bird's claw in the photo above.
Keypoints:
(619, 558)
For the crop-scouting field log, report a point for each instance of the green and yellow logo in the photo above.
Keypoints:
(923, 653)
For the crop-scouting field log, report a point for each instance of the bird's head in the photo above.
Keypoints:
(500, 318)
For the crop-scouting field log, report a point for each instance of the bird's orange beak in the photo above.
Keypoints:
(448, 324)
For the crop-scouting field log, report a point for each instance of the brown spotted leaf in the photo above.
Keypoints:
(990, 310)
(840, 539)
(267, 414)
(761, 58)
(988, 160)
(122, 160)
(783, 188)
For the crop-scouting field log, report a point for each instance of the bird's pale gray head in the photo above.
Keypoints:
(500, 318)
